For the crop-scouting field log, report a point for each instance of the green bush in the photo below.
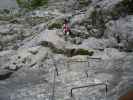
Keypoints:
(74, 52)
(93, 17)
(84, 2)
(55, 24)
(98, 20)
(84, 52)
(38, 3)
(126, 6)
(31, 4)
(122, 8)
(36, 20)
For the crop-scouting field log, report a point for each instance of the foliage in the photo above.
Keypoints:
(74, 52)
(55, 24)
(31, 4)
(126, 6)
(122, 9)
(84, 2)
(36, 20)
(98, 21)
(84, 52)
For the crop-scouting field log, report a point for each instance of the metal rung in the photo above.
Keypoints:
(84, 60)
(95, 58)
(106, 88)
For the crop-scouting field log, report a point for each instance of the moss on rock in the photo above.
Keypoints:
(74, 52)
(6, 18)
(55, 24)
(122, 9)
(58, 51)
(36, 20)
(67, 52)
(32, 4)
(98, 21)
(84, 2)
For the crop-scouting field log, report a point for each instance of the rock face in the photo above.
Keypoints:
(40, 62)
(8, 4)
(4, 74)
(121, 30)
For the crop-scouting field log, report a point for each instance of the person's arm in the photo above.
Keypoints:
(63, 27)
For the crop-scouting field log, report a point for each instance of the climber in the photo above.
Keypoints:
(118, 39)
(66, 28)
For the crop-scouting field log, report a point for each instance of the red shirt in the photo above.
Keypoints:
(66, 28)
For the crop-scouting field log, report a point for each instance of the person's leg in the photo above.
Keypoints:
(67, 33)
(70, 33)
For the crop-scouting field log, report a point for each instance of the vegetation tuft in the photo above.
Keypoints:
(31, 4)
(125, 7)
